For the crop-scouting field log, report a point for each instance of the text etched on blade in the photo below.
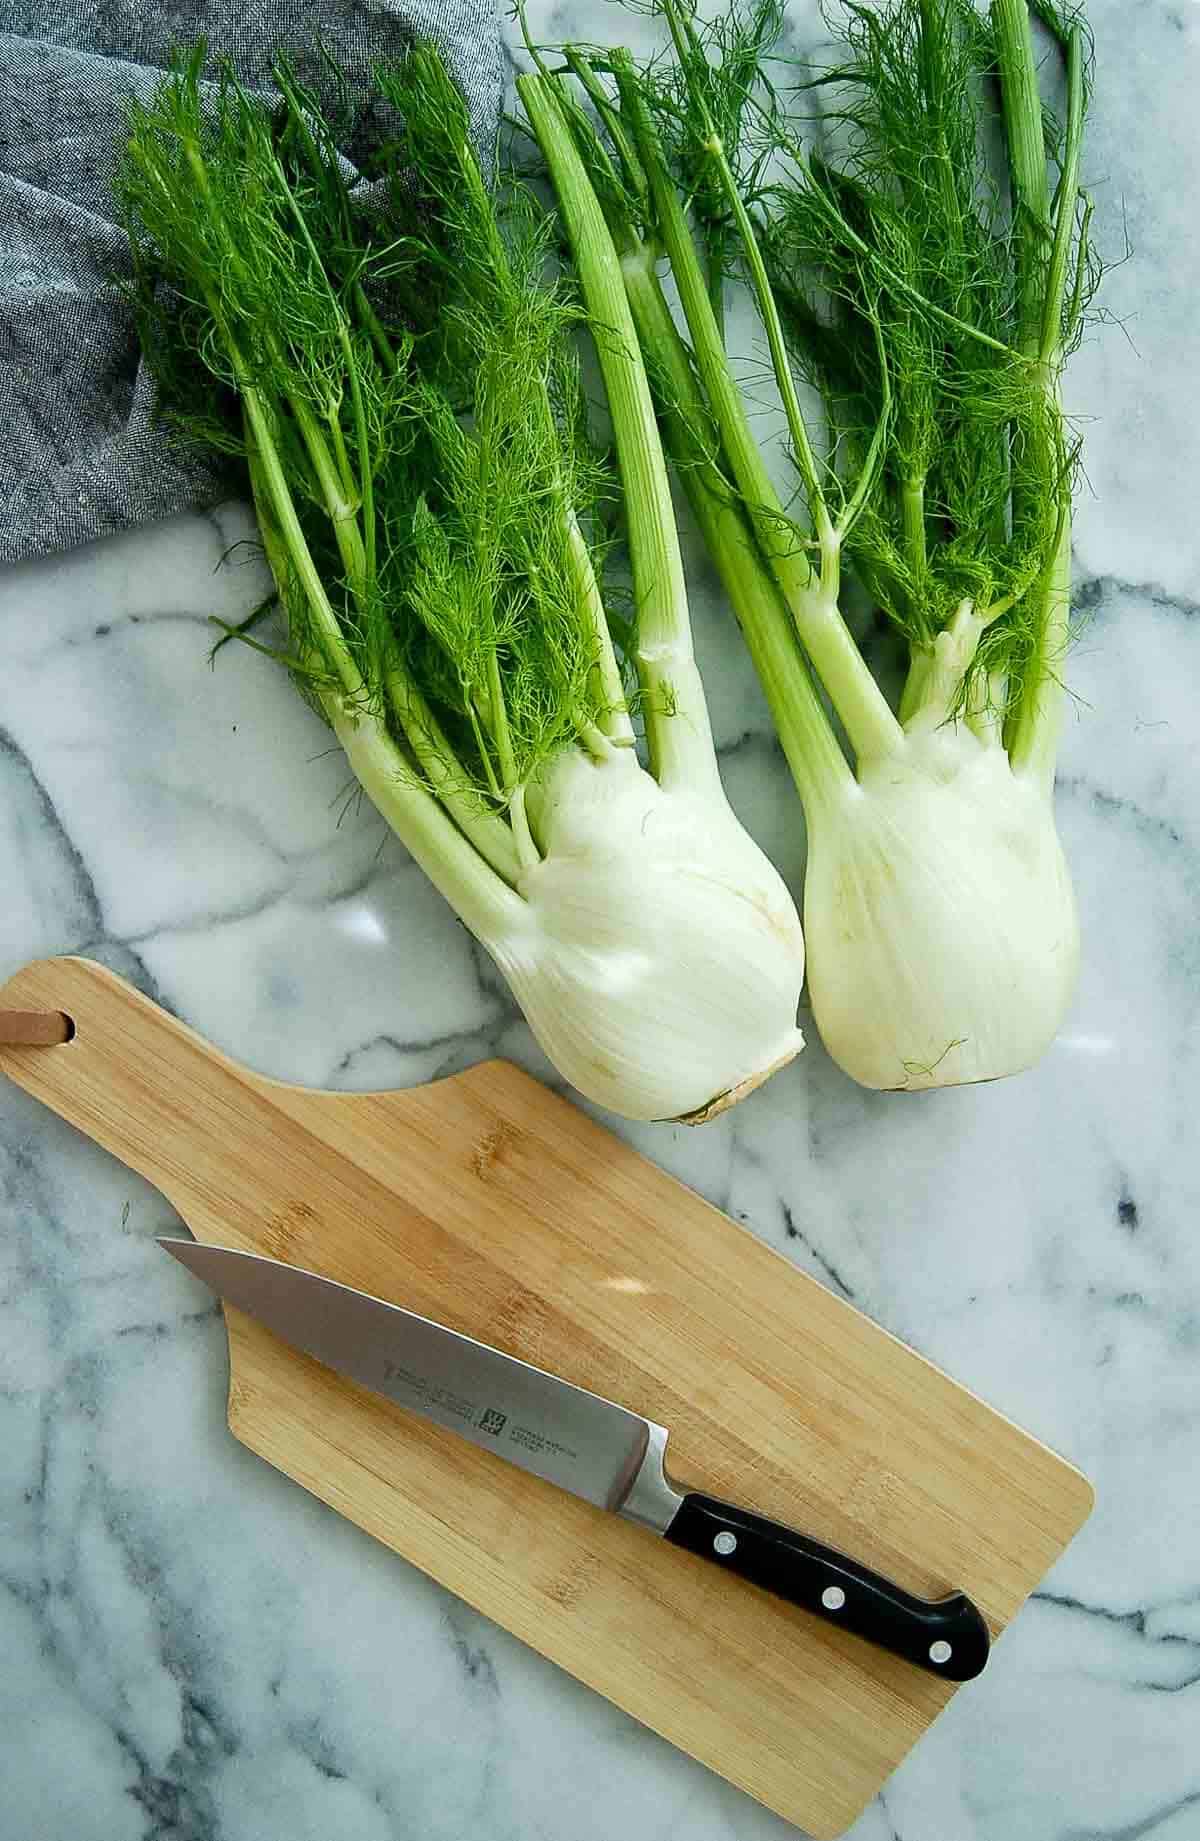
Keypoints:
(430, 1393)
(410, 1388)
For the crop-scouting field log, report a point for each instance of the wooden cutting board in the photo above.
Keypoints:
(492, 1205)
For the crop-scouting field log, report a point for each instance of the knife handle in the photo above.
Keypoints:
(946, 1636)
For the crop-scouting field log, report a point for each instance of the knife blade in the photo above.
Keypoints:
(594, 1448)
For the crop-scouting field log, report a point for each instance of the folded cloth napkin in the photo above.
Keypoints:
(81, 454)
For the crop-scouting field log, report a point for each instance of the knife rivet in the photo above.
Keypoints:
(940, 1651)
(725, 1543)
(833, 1597)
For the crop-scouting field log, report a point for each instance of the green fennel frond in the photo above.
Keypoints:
(906, 272)
(402, 361)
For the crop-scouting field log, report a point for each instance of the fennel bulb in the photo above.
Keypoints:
(401, 383)
(655, 952)
(932, 308)
(941, 922)
(652, 923)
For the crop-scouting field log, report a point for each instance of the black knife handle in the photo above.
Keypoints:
(946, 1636)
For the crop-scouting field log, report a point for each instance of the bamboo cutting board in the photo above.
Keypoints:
(492, 1205)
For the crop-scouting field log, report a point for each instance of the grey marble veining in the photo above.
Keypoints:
(190, 1647)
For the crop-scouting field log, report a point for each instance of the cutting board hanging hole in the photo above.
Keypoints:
(36, 1028)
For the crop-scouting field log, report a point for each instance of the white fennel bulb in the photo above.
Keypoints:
(657, 954)
(941, 921)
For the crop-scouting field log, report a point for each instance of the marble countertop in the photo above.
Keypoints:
(190, 1646)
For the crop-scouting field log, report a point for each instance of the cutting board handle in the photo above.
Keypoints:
(143, 1084)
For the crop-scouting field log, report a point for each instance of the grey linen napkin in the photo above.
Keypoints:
(81, 454)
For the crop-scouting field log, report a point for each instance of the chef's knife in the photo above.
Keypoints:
(597, 1450)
